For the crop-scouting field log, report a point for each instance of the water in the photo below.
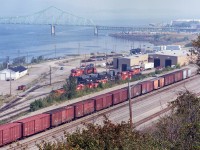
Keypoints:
(36, 40)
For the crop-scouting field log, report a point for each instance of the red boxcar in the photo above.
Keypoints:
(10, 132)
(78, 109)
(70, 115)
(178, 76)
(84, 108)
(136, 90)
(103, 101)
(124, 94)
(61, 115)
(88, 107)
(116, 96)
(147, 86)
(161, 82)
(169, 78)
(119, 95)
(34, 124)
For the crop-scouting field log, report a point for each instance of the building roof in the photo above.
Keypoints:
(172, 53)
(134, 56)
(18, 69)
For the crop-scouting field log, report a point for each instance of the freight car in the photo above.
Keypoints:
(29, 126)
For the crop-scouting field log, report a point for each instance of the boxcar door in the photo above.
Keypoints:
(6, 135)
(29, 128)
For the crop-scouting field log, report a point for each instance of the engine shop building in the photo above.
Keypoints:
(169, 58)
(124, 63)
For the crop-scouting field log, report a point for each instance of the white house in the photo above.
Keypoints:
(13, 73)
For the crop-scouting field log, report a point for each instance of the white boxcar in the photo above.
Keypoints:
(147, 66)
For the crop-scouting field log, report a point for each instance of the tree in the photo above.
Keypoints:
(196, 51)
(70, 87)
(107, 137)
(181, 130)
(37, 60)
(19, 60)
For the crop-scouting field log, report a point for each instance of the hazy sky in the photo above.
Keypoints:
(110, 11)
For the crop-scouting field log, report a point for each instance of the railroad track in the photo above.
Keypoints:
(63, 128)
(93, 116)
(25, 108)
(9, 105)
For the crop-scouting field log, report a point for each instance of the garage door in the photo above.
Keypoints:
(124, 67)
(156, 62)
(168, 63)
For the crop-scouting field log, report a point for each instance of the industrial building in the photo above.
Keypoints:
(13, 73)
(169, 58)
(124, 63)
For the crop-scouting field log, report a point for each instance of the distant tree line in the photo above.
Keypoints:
(20, 61)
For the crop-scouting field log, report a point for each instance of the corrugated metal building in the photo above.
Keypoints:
(124, 63)
(169, 58)
(13, 73)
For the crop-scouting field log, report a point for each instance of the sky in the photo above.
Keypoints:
(107, 12)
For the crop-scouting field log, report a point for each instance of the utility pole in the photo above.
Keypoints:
(130, 107)
(85, 60)
(106, 56)
(27, 60)
(10, 84)
(50, 75)
(55, 51)
(78, 48)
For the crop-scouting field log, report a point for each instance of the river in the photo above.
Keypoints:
(36, 40)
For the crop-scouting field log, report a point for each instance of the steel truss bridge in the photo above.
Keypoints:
(144, 29)
(54, 16)
(51, 15)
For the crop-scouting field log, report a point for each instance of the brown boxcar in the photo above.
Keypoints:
(158, 82)
(107, 102)
(61, 115)
(178, 75)
(10, 132)
(78, 109)
(136, 90)
(147, 86)
(103, 101)
(99, 102)
(116, 96)
(34, 124)
(88, 106)
(124, 94)
(56, 116)
(120, 95)
(155, 83)
(70, 115)
(169, 78)
(161, 82)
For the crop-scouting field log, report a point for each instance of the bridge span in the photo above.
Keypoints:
(54, 17)
(144, 29)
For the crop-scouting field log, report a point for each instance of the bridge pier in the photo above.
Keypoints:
(53, 31)
(96, 31)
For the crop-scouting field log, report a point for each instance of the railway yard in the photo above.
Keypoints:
(146, 109)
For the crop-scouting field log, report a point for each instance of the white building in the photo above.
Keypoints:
(13, 73)
(173, 47)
